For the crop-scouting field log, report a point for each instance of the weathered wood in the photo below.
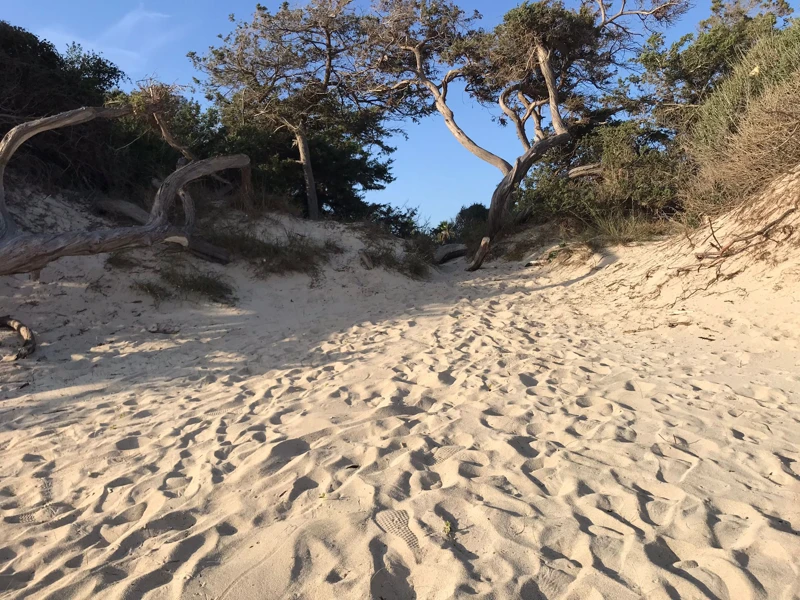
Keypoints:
(480, 255)
(442, 254)
(196, 245)
(29, 252)
(504, 190)
(592, 170)
(165, 195)
(308, 173)
(28, 338)
(23, 253)
(23, 132)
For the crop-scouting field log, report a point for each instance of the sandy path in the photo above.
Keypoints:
(493, 437)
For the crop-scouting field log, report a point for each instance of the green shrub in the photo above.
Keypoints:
(641, 175)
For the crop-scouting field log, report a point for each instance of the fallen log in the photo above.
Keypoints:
(196, 245)
(448, 252)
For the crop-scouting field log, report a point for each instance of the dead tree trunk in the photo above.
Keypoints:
(28, 339)
(197, 246)
(23, 253)
(308, 173)
(506, 187)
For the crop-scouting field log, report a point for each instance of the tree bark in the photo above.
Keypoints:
(503, 191)
(25, 332)
(552, 88)
(591, 170)
(23, 132)
(308, 173)
(449, 120)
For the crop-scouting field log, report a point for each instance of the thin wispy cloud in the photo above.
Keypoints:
(131, 42)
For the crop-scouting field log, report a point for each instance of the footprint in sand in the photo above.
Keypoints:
(442, 453)
(395, 522)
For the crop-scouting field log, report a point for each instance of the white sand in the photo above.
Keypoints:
(505, 434)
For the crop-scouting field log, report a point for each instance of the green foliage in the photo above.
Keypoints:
(640, 179)
(399, 222)
(773, 60)
(36, 81)
(444, 232)
(678, 78)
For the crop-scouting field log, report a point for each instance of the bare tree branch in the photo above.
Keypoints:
(22, 253)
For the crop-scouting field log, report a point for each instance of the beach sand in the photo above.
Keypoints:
(529, 433)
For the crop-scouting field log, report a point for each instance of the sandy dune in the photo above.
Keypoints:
(508, 434)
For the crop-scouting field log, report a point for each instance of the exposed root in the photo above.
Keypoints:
(25, 332)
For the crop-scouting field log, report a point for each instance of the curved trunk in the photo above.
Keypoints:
(308, 174)
(552, 88)
(24, 252)
(468, 142)
(506, 187)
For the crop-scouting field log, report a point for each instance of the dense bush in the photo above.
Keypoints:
(639, 178)
(36, 81)
(122, 156)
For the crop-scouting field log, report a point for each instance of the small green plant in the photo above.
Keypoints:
(323, 496)
(206, 285)
(447, 529)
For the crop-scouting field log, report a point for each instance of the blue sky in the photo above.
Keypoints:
(151, 38)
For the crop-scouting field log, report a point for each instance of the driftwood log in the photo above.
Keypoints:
(25, 332)
(23, 252)
(28, 253)
(197, 246)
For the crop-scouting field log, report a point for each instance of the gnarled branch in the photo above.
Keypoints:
(23, 253)
(499, 204)
(25, 332)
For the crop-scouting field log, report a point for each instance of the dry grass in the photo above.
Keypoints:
(205, 285)
(616, 230)
(522, 248)
(746, 134)
(414, 260)
(294, 253)
(156, 291)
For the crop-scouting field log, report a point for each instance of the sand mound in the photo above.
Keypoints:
(513, 433)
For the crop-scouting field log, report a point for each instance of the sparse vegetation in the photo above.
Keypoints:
(414, 259)
(209, 286)
(294, 253)
(155, 290)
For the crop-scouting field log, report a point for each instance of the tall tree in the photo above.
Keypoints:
(542, 68)
(293, 69)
